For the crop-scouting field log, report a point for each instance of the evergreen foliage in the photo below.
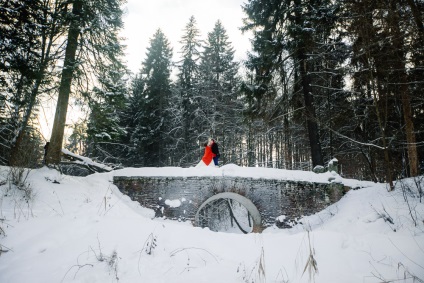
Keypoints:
(301, 47)
(105, 128)
(150, 137)
(92, 43)
(26, 31)
(186, 95)
(323, 79)
(219, 110)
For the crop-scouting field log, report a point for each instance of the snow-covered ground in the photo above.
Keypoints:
(82, 229)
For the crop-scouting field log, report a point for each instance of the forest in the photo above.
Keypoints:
(323, 80)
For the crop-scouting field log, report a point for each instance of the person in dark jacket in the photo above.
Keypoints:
(215, 151)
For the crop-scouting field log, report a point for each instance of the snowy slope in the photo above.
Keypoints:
(82, 229)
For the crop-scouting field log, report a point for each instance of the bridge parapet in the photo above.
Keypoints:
(179, 198)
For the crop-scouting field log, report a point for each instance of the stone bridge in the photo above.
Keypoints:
(268, 199)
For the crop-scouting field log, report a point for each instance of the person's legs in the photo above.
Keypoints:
(215, 160)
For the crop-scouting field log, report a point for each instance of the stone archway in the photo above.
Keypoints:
(180, 198)
(229, 211)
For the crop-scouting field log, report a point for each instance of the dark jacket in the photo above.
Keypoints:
(215, 149)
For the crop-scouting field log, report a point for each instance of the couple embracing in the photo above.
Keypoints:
(211, 153)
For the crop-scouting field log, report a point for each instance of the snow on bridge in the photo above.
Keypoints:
(243, 197)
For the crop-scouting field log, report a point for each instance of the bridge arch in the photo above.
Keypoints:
(237, 214)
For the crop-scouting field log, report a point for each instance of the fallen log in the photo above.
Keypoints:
(86, 162)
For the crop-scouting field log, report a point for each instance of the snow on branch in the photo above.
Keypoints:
(97, 167)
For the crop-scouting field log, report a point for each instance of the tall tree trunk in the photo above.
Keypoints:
(56, 141)
(250, 145)
(403, 89)
(409, 128)
(288, 149)
(311, 121)
(378, 95)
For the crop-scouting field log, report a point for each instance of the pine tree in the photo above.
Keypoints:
(219, 110)
(264, 101)
(105, 129)
(151, 93)
(187, 89)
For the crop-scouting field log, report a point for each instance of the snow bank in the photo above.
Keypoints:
(82, 229)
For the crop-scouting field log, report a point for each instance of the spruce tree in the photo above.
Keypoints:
(219, 110)
(105, 128)
(151, 92)
(187, 89)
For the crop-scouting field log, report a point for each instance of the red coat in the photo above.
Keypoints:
(207, 157)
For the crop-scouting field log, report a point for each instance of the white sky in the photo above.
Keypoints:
(144, 17)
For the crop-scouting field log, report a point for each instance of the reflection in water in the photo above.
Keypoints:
(226, 215)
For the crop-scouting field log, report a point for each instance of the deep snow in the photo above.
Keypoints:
(82, 229)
